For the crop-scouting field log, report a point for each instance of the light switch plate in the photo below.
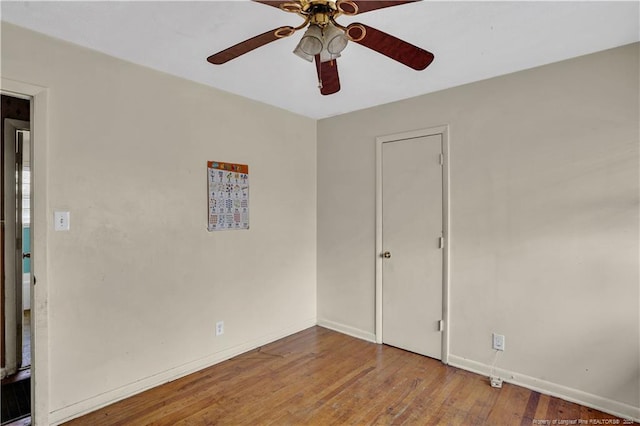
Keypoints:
(61, 221)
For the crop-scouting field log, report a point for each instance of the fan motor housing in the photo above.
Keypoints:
(318, 6)
(320, 12)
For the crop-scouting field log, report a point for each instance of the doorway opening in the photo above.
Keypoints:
(15, 260)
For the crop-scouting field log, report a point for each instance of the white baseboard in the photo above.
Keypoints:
(83, 407)
(348, 330)
(600, 403)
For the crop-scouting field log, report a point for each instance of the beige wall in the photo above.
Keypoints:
(137, 284)
(544, 188)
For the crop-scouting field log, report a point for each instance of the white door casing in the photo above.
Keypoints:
(40, 219)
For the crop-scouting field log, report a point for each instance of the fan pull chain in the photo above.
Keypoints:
(320, 78)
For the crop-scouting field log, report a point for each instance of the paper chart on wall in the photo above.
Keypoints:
(228, 187)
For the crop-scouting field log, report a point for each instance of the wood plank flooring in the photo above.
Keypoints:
(320, 377)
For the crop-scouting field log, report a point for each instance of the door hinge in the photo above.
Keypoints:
(441, 159)
(440, 325)
(441, 242)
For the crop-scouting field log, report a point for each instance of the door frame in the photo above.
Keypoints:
(38, 96)
(446, 231)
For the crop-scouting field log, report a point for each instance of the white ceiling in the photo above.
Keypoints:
(471, 41)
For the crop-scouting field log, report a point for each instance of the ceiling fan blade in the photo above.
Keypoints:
(367, 5)
(250, 44)
(291, 5)
(328, 76)
(390, 46)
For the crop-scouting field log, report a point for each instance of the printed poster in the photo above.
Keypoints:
(228, 186)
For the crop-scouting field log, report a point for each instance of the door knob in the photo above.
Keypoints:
(386, 254)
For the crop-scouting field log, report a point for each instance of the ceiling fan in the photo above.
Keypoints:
(325, 38)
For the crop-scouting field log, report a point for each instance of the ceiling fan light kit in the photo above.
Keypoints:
(328, 42)
(335, 39)
(325, 39)
(311, 43)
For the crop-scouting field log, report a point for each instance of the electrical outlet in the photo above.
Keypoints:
(496, 382)
(498, 342)
(219, 328)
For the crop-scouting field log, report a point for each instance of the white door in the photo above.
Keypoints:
(412, 227)
(15, 132)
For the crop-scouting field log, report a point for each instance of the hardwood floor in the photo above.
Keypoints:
(320, 377)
